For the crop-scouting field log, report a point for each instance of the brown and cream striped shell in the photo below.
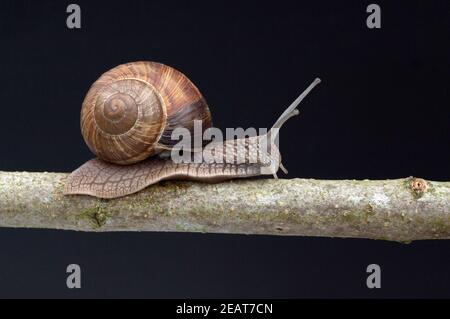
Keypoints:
(130, 112)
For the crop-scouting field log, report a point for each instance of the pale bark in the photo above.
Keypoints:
(401, 210)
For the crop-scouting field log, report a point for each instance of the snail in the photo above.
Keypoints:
(127, 120)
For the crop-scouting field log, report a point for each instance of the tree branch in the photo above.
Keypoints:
(400, 210)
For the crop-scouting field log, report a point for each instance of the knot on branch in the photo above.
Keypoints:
(419, 186)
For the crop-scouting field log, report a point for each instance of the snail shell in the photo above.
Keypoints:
(130, 112)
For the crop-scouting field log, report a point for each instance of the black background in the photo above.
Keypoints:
(382, 111)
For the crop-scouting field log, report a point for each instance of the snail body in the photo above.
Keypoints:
(127, 119)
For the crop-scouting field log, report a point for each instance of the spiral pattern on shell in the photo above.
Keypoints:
(130, 112)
